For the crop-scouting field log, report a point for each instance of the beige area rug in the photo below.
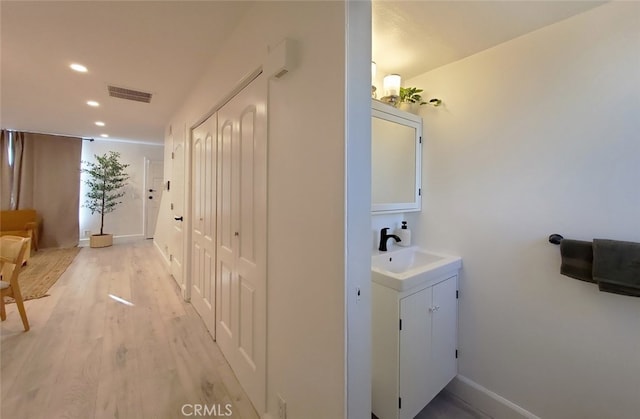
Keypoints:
(43, 270)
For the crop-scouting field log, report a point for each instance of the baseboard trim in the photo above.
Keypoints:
(116, 239)
(485, 400)
(165, 259)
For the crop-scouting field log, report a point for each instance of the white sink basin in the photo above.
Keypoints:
(410, 267)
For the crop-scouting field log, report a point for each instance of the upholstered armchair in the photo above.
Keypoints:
(23, 223)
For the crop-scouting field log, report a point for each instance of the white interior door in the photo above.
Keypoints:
(241, 243)
(176, 189)
(203, 220)
(154, 184)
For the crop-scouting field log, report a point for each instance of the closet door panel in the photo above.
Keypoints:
(242, 221)
(203, 220)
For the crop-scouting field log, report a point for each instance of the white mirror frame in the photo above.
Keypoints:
(387, 112)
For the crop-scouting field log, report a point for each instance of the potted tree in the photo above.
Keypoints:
(411, 99)
(105, 179)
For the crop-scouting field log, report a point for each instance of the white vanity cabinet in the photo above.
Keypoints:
(414, 345)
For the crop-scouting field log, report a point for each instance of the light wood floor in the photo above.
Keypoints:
(88, 355)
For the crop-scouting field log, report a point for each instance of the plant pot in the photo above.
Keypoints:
(101, 240)
(413, 108)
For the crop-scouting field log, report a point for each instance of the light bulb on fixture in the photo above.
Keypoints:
(391, 86)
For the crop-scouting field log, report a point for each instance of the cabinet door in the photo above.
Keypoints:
(415, 356)
(444, 334)
(428, 341)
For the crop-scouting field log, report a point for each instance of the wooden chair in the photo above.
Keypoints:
(12, 251)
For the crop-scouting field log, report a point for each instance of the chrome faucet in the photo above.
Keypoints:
(384, 237)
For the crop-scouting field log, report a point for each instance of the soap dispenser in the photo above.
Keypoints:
(405, 235)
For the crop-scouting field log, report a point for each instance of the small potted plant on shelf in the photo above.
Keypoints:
(411, 99)
(105, 179)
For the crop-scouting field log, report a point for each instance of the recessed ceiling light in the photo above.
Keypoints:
(104, 135)
(93, 103)
(100, 123)
(78, 67)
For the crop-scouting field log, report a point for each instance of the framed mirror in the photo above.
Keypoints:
(396, 157)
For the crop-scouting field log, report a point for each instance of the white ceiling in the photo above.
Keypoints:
(163, 47)
(158, 47)
(413, 37)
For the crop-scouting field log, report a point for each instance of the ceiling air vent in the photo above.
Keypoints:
(129, 94)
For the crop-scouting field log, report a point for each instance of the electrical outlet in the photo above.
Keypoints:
(282, 408)
(87, 233)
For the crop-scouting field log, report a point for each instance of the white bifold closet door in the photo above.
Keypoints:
(241, 238)
(203, 220)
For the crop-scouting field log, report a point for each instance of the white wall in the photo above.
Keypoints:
(127, 219)
(307, 245)
(537, 136)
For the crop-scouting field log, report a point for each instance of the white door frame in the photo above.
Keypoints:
(358, 205)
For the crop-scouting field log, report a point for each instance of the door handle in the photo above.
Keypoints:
(150, 197)
(178, 218)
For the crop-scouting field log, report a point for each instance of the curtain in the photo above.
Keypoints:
(5, 172)
(16, 178)
(12, 152)
(47, 180)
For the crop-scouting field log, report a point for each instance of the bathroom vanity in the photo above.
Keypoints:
(414, 291)
(414, 329)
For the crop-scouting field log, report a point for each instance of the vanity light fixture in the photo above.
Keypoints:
(100, 123)
(391, 86)
(78, 67)
(93, 103)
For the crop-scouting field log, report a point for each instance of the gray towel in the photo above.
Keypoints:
(616, 266)
(577, 259)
